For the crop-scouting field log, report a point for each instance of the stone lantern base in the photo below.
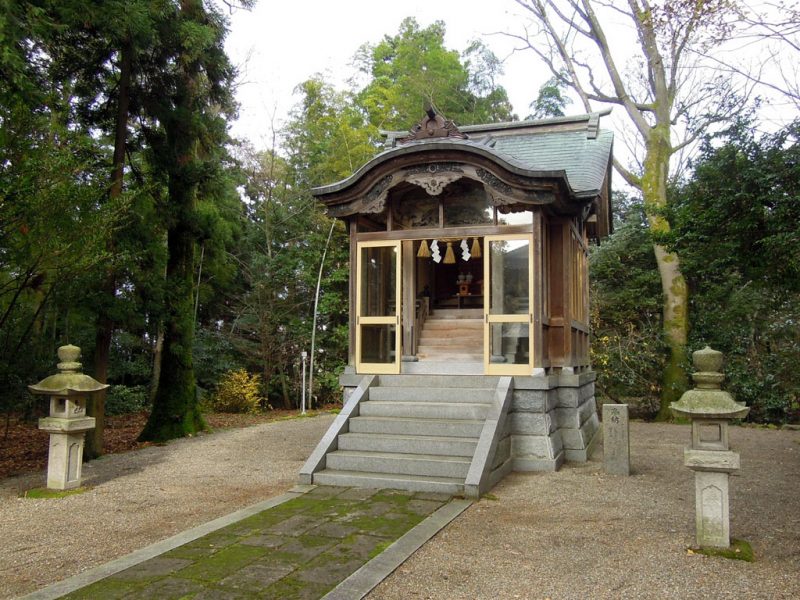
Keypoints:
(65, 460)
(65, 457)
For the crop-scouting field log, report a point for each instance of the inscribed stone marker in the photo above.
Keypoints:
(616, 440)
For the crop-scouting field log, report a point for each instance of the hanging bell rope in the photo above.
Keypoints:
(423, 251)
(476, 248)
(449, 256)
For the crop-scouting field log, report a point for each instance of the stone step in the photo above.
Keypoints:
(443, 485)
(409, 426)
(433, 394)
(434, 381)
(424, 410)
(408, 444)
(391, 463)
(434, 366)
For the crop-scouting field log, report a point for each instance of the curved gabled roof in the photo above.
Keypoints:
(571, 149)
(421, 148)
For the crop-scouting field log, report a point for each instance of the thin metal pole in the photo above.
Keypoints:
(314, 325)
(303, 401)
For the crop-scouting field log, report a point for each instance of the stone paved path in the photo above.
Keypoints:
(302, 548)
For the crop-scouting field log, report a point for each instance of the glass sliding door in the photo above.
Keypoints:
(378, 307)
(508, 304)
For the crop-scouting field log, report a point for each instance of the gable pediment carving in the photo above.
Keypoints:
(432, 125)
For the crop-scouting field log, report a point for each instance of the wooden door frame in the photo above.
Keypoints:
(380, 368)
(489, 367)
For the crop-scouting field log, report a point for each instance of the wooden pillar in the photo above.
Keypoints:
(559, 335)
(408, 264)
(538, 290)
(351, 347)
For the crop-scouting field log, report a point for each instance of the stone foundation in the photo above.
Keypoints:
(553, 418)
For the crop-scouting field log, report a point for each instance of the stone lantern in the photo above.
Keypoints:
(709, 456)
(67, 424)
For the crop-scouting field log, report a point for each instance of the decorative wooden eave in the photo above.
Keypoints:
(433, 125)
(563, 163)
(432, 166)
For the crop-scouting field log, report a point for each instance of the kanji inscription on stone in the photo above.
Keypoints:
(616, 439)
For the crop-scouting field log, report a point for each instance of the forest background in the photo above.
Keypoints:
(184, 262)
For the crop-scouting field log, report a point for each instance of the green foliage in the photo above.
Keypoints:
(238, 392)
(413, 69)
(551, 100)
(627, 347)
(123, 399)
(736, 231)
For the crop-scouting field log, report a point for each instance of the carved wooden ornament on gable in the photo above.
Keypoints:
(433, 125)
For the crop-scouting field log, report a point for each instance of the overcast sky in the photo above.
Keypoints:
(279, 44)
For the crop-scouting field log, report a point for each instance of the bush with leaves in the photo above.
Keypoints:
(123, 399)
(736, 232)
(238, 392)
(627, 347)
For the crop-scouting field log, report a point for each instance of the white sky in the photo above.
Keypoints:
(279, 44)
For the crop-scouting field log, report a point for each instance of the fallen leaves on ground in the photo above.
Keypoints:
(23, 447)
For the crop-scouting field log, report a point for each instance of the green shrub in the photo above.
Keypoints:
(124, 399)
(238, 392)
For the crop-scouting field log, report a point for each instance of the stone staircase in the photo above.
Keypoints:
(418, 433)
(451, 334)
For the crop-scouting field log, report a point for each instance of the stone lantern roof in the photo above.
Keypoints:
(707, 400)
(69, 381)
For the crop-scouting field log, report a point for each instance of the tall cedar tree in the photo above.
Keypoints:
(187, 136)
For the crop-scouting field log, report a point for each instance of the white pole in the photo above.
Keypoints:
(303, 354)
(314, 323)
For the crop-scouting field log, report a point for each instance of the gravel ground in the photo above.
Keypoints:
(141, 497)
(580, 533)
(577, 533)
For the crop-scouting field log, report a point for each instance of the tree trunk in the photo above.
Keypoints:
(176, 411)
(673, 285)
(158, 352)
(96, 405)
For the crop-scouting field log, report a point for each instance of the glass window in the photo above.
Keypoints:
(508, 268)
(378, 343)
(378, 279)
(509, 343)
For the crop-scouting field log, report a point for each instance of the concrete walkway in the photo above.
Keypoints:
(312, 542)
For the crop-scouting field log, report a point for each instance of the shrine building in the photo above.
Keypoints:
(469, 304)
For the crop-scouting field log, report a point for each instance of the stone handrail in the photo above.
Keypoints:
(330, 441)
(480, 470)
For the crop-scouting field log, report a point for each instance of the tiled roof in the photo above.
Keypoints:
(584, 159)
(571, 147)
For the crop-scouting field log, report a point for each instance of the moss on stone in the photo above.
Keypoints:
(739, 550)
(106, 589)
(48, 494)
(223, 563)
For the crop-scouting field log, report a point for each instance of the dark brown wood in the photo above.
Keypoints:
(351, 348)
(451, 232)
